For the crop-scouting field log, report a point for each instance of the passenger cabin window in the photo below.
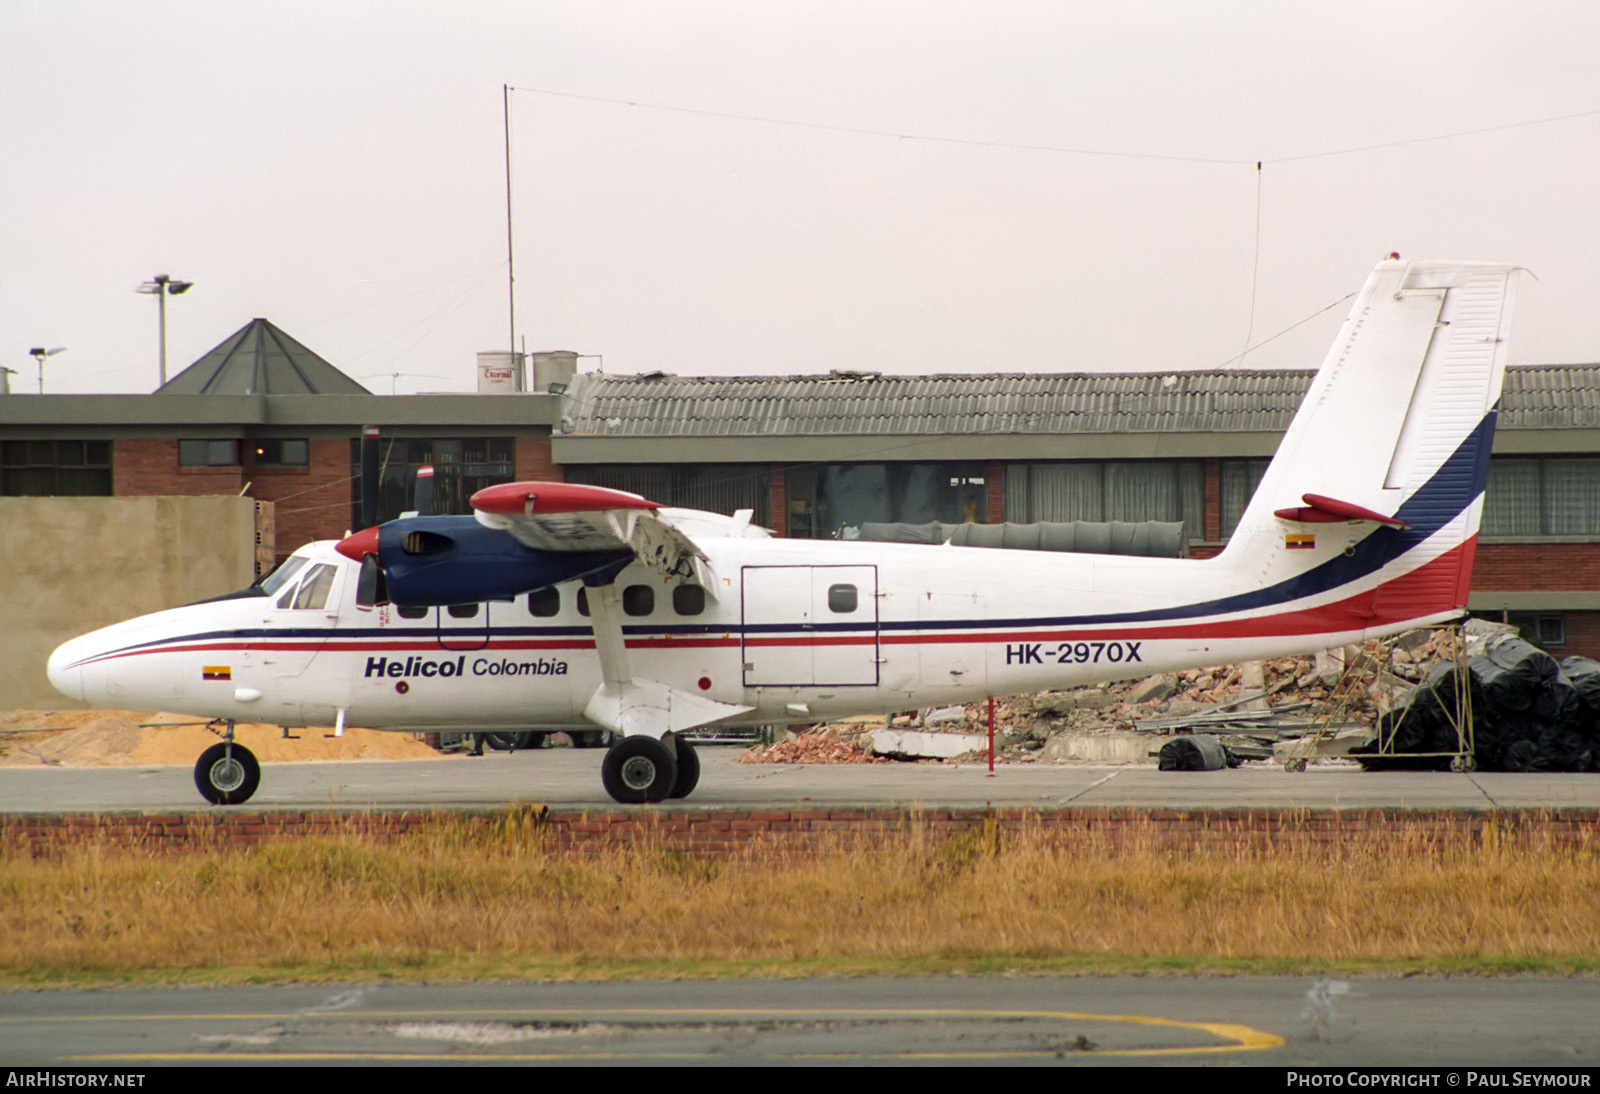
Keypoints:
(412, 613)
(314, 589)
(544, 602)
(841, 598)
(583, 602)
(688, 599)
(463, 611)
(638, 600)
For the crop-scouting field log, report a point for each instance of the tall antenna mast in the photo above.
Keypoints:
(511, 267)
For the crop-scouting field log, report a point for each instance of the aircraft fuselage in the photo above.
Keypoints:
(797, 631)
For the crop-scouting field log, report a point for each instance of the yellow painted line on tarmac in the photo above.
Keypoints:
(1236, 1038)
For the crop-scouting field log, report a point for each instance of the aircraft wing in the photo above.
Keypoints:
(564, 516)
(570, 517)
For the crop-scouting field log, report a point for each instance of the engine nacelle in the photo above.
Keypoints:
(429, 561)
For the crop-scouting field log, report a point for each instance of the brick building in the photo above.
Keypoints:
(813, 456)
(262, 415)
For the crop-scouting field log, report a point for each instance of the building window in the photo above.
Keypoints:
(714, 487)
(1549, 496)
(208, 453)
(461, 467)
(1111, 490)
(55, 468)
(1547, 630)
(833, 500)
(292, 453)
(1239, 481)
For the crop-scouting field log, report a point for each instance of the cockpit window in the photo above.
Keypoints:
(278, 578)
(315, 588)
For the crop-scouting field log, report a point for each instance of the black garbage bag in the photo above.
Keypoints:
(1524, 666)
(1196, 752)
(1403, 732)
(1585, 676)
(1500, 687)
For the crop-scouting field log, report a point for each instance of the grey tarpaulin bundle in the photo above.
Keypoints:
(1528, 714)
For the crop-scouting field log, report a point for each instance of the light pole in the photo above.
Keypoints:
(160, 286)
(39, 353)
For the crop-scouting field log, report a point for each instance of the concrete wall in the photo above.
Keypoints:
(69, 565)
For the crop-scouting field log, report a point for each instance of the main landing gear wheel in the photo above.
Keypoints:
(638, 770)
(688, 770)
(514, 742)
(227, 774)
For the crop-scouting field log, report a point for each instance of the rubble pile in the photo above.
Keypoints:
(1245, 705)
(819, 746)
(1528, 714)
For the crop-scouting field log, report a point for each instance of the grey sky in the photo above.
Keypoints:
(337, 168)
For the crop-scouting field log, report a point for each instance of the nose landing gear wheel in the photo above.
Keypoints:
(227, 774)
(637, 770)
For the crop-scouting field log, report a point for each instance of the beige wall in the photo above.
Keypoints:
(69, 565)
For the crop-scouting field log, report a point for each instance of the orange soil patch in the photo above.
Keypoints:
(111, 738)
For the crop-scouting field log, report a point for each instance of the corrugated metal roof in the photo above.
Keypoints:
(259, 359)
(849, 404)
(1551, 397)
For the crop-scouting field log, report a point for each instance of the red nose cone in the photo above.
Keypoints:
(362, 543)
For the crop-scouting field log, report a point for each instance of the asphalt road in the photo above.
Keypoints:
(571, 778)
(1285, 1022)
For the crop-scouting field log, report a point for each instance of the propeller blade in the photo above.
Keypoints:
(371, 588)
(424, 491)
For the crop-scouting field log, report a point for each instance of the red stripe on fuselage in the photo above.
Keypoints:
(1413, 595)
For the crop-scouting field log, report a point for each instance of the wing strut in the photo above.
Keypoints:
(630, 706)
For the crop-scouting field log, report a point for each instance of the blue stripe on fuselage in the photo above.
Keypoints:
(1457, 483)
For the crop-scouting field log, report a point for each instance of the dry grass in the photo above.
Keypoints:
(460, 902)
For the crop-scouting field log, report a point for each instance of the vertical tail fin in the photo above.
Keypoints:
(1371, 505)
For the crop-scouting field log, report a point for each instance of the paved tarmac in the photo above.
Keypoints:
(944, 1021)
(1276, 1021)
(570, 778)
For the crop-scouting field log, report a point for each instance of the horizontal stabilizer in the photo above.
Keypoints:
(1321, 509)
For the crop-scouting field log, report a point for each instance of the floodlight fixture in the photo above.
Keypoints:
(161, 286)
(39, 353)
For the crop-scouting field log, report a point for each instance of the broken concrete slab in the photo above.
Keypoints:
(1154, 687)
(932, 746)
(1103, 747)
(1061, 702)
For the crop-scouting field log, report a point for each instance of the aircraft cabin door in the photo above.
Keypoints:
(808, 626)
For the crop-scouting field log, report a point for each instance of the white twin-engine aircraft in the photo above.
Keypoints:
(566, 607)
